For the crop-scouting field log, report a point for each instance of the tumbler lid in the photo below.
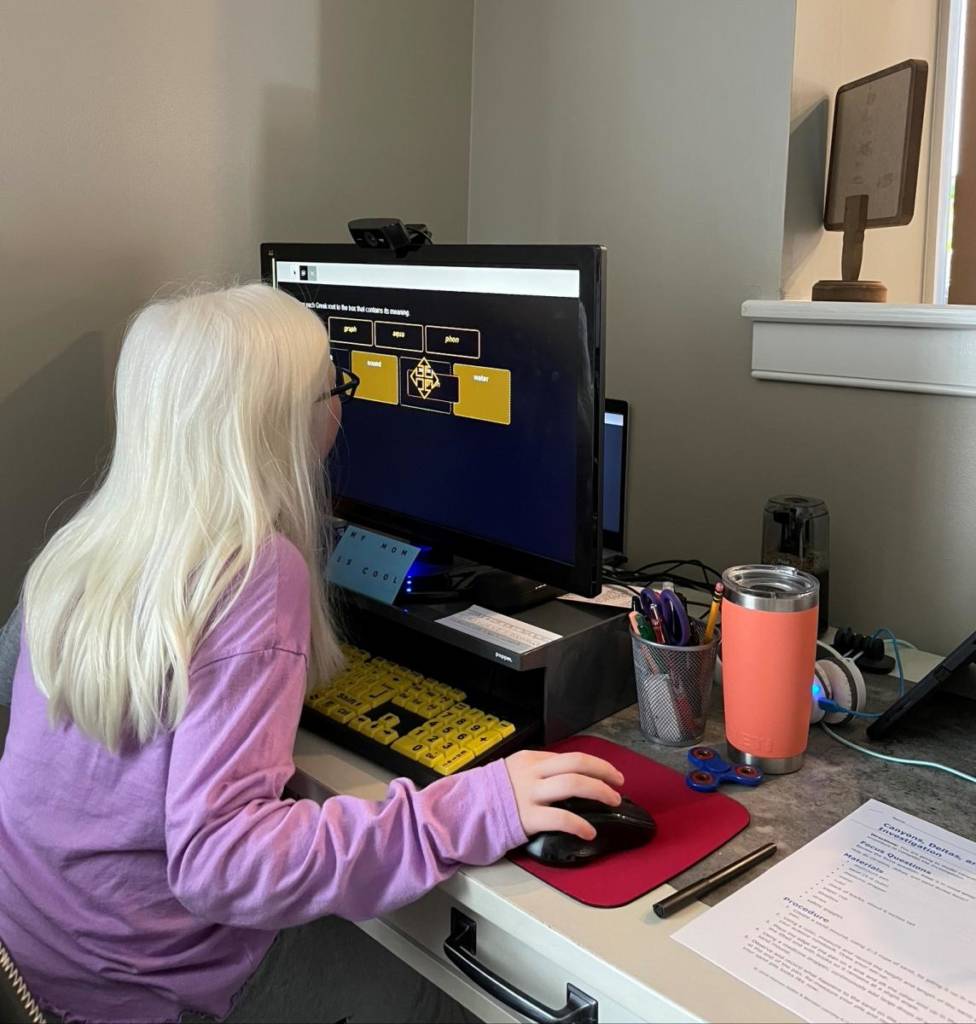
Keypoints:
(771, 588)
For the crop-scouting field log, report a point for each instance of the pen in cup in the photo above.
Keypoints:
(657, 624)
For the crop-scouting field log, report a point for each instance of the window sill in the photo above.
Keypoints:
(925, 349)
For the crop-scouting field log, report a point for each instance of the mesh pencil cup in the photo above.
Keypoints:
(674, 687)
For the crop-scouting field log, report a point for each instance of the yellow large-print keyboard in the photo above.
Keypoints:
(407, 722)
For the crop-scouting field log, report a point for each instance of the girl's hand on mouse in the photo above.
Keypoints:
(540, 779)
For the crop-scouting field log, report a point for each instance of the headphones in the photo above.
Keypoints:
(838, 683)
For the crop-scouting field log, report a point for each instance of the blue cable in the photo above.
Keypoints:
(832, 705)
(829, 705)
(896, 644)
(897, 760)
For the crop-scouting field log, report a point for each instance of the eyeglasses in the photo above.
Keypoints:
(346, 384)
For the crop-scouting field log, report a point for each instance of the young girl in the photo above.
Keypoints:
(170, 631)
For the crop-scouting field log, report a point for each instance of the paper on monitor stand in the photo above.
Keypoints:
(495, 628)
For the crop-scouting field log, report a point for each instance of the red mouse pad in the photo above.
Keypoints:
(690, 826)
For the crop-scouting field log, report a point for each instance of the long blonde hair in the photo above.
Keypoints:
(213, 454)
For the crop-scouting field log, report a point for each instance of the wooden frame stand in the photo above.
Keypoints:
(849, 288)
(873, 174)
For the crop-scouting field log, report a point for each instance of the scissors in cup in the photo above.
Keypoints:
(674, 617)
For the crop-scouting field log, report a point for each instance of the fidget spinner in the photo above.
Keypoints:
(710, 771)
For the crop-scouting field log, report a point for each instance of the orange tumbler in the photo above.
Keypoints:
(769, 645)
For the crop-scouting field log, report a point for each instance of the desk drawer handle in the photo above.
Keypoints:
(460, 948)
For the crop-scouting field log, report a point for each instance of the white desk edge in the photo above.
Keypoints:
(655, 977)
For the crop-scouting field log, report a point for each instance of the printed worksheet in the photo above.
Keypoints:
(875, 920)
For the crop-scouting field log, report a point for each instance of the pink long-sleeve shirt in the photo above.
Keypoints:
(137, 885)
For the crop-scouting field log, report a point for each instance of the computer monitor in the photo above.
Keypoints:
(477, 424)
(615, 428)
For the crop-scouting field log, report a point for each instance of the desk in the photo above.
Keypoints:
(540, 939)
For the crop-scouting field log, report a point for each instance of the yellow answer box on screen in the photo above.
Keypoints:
(379, 377)
(484, 393)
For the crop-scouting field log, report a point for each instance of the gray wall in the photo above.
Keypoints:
(147, 145)
(661, 129)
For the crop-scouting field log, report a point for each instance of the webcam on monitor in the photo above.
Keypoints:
(390, 234)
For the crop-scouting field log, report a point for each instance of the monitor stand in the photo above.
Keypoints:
(432, 575)
(505, 592)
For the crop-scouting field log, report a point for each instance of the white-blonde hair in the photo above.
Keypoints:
(213, 454)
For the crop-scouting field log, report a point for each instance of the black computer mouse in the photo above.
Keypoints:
(617, 828)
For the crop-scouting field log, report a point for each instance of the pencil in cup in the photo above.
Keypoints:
(674, 687)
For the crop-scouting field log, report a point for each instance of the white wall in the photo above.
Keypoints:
(149, 144)
(838, 41)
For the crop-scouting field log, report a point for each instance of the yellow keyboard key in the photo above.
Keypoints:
(349, 699)
(417, 735)
(397, 682)
(361, 724)
(464, 721)
(432, 759)
(505, 728)
(454, 762)
(445, 717)
(390, 720)
(384, 736)
(483, 741)
(341, 713)
(376, 696)
(410, 747)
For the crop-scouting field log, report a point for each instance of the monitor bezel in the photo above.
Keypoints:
(613, 540)
(583, 575)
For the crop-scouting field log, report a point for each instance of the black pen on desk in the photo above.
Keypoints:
(680, 899)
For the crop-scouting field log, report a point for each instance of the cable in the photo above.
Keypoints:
(627, 578)
(894, 643)
(667, 567)
(833, 706)
(897, 760)
(830, 705)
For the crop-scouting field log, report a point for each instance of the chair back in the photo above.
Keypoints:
(17, 1005)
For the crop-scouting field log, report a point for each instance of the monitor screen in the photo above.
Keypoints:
(477, 420)
(614, 473)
